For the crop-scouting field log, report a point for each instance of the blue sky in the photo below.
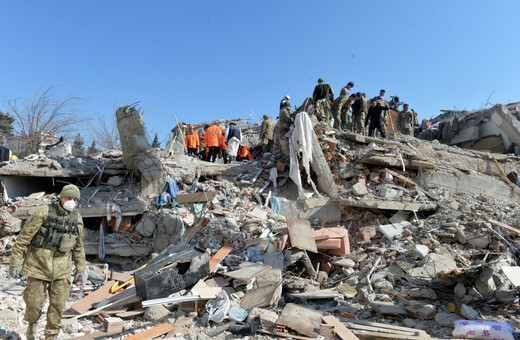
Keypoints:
(205, 60)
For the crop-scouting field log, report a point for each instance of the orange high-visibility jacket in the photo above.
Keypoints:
(243, 152)
(222, 138)
(192, 140)
(211, 136)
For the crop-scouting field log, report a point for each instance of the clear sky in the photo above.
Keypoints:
(205, 60)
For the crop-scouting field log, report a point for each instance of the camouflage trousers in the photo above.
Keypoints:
(359, 124)
(266, 145)
(35, 295)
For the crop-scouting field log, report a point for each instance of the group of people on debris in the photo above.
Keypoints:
(214, 142)
(365, 117)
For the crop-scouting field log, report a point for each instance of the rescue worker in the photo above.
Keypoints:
(222, 152)
(322, 91)
(404, 121)
(192, 141)
(337, 108)
(284, 100)
(211, 141)
(244, 153)
(233, 140)
(202, 147)
(359, 112)
(375, 117)
(384, 103)
(51, 239)
(266, 133)
(285, 121)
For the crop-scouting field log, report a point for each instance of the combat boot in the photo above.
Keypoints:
(31, 331)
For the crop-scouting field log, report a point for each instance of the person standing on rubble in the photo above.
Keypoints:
(51, 239)
(211, 139)
(359, 112)
(375, 117)
(192, 142)
(322, 91)
(285, 122)
(222, 152)
(266, 133)
(284, 100)
(233, 140)
(384, 103)
(339, 103)
(405, 121)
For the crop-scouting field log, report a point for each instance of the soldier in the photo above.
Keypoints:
(322, 91)
(284, 100)
(285, 121)
(51, 239)
(266, 133)
(405, 121)
(337, 109)
(375, 116)
(384, 103)
(359, 112)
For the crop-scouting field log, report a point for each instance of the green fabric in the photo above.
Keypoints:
(267, 130)
(45, 264)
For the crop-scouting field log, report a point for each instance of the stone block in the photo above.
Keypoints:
(421, 250)
(445, 319)
(359, 189)
(156, 313)
(468, 312)
(460, 290)
(347, 290)
(345, 263)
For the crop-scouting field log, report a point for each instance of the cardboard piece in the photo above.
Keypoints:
(218, 257)
(247, 271)
(259, 297)
(300, 233)
(196, 197)
(300, 319)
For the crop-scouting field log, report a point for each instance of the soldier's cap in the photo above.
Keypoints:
(382, 90)
(70, 190)
(406, 105)
(321, 80)
(350, 83)
(266, 117)
(358, 94)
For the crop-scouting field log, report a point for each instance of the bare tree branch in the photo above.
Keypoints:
(105, 135)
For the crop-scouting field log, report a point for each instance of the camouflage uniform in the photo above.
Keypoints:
(48, 271)
(339, 103)
(404, 122)
(285, 121)
(359, 113)
(266, 133)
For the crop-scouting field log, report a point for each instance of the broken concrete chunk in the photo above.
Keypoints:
(267, 318)
(421, 251)
(421, 311)
(468, 312)
(384, 307)
(115, 181)
(345, 263)
(359, 189)
(460, 290)
(156, 313)
(146, 226)
(446, 319)
(347, 290)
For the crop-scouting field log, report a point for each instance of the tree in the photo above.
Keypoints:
(78, 145)
(92, 149)
(42, 115)
(107, 136)
(156, 143)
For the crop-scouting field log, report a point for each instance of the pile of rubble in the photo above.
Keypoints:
(402, 239)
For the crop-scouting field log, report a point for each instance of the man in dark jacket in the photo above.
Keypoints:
(322, 91)
(374, 115)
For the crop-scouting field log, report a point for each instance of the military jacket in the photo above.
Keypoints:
(267, 130)
(45, 264)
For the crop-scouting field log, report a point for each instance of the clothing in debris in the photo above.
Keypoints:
(266, 133)
(51, 239)
(322, 91)
(376, 120)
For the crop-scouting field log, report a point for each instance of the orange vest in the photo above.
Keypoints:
(243, 152)
(222, 138)
(211, 136)
(192, 140)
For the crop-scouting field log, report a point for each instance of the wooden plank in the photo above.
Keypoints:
(218, 257)
(99, 295)
(366, 325)
(504, 226)
(247, 271)
(131, 313)
(300, 319)
(300, 233)
(341, 331)
(368, 335)
(152, 332)
(403, 178)
(196, 197)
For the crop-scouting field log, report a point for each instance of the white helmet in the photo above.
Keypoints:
(287, 97)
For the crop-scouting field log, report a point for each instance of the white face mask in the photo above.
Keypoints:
(69, 205)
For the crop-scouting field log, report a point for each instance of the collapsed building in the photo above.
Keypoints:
(371, 239)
